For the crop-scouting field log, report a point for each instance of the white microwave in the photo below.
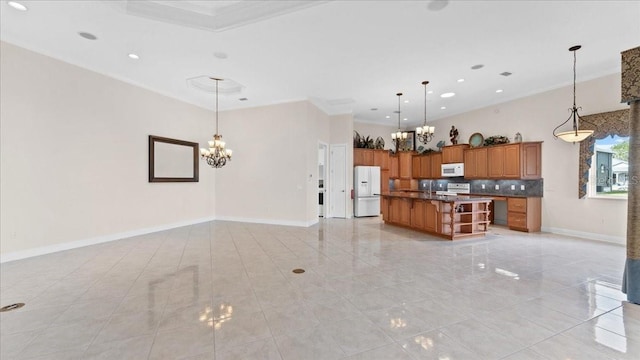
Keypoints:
(456, 169)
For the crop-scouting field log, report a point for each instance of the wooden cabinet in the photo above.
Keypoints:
(475, 163)
(400, 211)
(371, 157)
(515, 161)
(393, 167)
(362, 157)
(418, 214)
(511, 166)
(436, 165)
(425, 167)
(404, 164)
(416, 167)
(531, 160)
(453, 153)
(381, 158)
(524, 214)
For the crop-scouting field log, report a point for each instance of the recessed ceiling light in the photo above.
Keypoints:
(220, 55)
(87, 35)
(243, 99)
(447, 95)
(388, 117)
(374, 109)
(430, 92)
(17, 6)
(506, 73)
(437, 5)
(442, 107)
(134, 56)
(499, 90)
(460, 80)
(476, 67)
(406, 101)
(405, 119)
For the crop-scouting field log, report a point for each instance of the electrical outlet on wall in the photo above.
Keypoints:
(513, 187)
(482, 186)
(497, 187)
(522, 187)
(440, 185)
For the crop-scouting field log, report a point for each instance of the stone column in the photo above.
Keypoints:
(631, 95)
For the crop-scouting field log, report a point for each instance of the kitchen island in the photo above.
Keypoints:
(451, 217)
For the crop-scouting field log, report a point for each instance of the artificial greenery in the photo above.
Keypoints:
(496, 140)
(361, 142)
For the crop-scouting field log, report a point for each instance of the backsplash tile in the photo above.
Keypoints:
(532, 188)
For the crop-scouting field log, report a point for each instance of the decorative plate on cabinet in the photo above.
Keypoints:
(476, 140)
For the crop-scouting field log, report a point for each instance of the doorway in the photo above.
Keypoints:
(337, 181)
(323, 170)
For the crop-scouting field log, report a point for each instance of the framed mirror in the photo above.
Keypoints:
(172, 160)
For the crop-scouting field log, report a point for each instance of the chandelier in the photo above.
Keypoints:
(399, 138)
(216, 156)
(574, 135)
(424, 133)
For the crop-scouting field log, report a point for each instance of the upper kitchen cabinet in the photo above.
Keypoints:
(405, 162)
(514, 161)
(371, 157)
(393, 167)
(362, 157)
(475, 163)
(381, 158)
(453, 154)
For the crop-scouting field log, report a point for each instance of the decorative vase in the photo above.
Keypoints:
(518, 138)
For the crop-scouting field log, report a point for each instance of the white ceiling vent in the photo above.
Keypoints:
(206, 84)
(213, 15)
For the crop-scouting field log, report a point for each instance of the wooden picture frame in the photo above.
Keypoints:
(172, 160)
(411, 141)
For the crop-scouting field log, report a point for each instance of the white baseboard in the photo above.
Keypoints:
(620, 240)
(23, 254)
(268, 221)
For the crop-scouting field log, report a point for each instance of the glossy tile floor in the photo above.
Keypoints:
(226, 290)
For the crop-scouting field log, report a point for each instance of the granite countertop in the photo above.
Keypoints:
(490, 196)
(422, 195)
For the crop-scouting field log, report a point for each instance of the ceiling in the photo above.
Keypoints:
(345, 56)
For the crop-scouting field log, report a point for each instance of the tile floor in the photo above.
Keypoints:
(226, 290)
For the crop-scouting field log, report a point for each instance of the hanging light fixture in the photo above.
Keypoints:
(217, 155)
(574, 135)
(424, 133)
(399, 138)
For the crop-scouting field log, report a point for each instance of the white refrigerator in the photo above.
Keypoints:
(366, 185)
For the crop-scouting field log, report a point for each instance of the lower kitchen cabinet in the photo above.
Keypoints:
(524, 214)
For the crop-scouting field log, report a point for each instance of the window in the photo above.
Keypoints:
(608, 127)
(609, 172)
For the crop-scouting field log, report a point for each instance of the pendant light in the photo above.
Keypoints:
(574, 135)
(217, 155)
(424, 133)
(399, 138)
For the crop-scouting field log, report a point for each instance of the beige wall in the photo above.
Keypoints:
(74, 156)
(535, 117)
(274, 175)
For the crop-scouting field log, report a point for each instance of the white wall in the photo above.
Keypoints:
(74, 156)
(535, 117)
(273, 177)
